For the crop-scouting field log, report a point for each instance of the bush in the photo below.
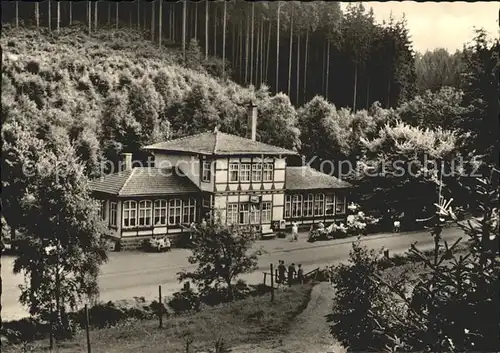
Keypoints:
(185, 300)
(356, 295)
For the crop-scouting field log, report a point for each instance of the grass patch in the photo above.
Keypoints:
(249, 320)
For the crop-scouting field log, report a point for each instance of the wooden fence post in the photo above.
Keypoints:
(272, 283)
(160, 307)
(89, 350)
(265, 278)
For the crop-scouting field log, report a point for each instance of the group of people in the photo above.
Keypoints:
(290, 275)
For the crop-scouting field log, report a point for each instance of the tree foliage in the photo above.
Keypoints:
(222, 253)
(63, 247)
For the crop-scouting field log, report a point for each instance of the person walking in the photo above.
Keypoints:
(300, 274)
(291, 274)
(295, 231)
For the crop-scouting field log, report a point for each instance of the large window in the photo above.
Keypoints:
(145, 210)
(129, 214)
(254, 214)
(174, 211)
(234, 169)
(206, 173)
(102, 209)
(189, 211)
(244, 213)
(268, 172)
(266, 212)
(232, 213)
(319, 204)
(288, 206)
(160, 212)
(245, 172)
(340, 204)
(257, 172)
(308, 205)
(113, 211)
(297, 206)
(329, 205)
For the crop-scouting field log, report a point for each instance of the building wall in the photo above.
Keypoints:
(120, 230)
(228, 191)
(306, 220)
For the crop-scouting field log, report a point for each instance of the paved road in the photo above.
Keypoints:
(129, 274)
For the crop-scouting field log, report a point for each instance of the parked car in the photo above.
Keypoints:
(159, 243)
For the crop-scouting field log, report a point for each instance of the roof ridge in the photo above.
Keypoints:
(126, 181)
(178, 139)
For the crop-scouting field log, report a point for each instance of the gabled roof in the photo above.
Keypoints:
(144, 181)
(218, 143)
(307, 178)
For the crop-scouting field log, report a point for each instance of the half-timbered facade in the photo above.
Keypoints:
(239, 180)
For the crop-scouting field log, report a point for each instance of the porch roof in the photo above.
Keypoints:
(144, 181)
(307, 178)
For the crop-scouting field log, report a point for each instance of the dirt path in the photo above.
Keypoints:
(309, 331)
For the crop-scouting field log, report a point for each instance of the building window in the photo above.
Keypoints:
(245, 172)
(174, 211)
(234, 169)
(145, 210)
(308, 205)
(297, 206)
(101, 212)
(206, 174)
(232, 213)
(329, 205)
(266, 212)
(340, 204)
(189, 211)
(319, 205)
(160, 212)
(113, 212)
(254, 214)
(129, 213)
(257, 172)
(244, 213)
(288, 206)
(268, 171)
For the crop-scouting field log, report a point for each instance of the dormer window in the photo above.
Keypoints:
(206, 172)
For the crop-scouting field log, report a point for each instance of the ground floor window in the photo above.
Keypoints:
(254, 214)
(101, 212)
(189, 211)
(145, 210)
(340, 204)
(308, 205)
(232, 213)
(244, 213)
(329, 205)
(174, 211)
(129, 213)
(266, 211)
(113, 211)
(160, 212)
(317, 205)
(288, 206)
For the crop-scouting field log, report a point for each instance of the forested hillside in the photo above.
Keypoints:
(301, 48)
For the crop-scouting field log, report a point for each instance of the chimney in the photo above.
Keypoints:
(252, 122)
(127, 161)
